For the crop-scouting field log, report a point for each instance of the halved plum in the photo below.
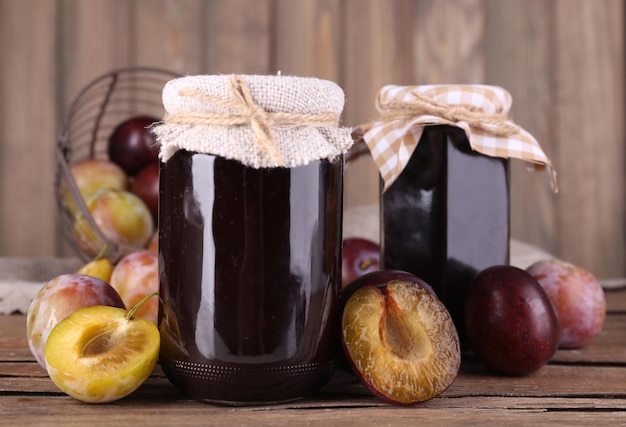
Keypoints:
(398, 337)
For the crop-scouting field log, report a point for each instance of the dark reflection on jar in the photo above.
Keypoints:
(251, 260)
(446, 217)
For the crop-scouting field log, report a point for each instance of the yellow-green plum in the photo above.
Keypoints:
(122, 217)
(91, 175)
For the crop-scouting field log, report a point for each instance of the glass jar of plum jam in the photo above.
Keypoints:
(446, 217)
(250, 237)
(443, 153)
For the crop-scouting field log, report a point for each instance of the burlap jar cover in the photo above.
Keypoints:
(261, 121)
(481, 111)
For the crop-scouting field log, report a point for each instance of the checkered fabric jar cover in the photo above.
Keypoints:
(481, 111)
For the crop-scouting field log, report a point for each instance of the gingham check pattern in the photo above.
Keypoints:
(392, 142)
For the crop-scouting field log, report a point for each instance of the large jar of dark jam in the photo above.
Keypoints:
(250, 257)
(443, 154)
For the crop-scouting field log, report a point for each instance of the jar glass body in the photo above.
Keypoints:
(250, 272)
(446, 217)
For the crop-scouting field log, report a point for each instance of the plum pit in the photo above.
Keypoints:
(403, 335)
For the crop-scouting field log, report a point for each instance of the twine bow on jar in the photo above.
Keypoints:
(496, 123)
(481, 111)
(221, 116)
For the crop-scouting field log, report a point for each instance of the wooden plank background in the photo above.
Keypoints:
(562, 61)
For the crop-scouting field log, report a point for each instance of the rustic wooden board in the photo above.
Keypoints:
(95, 38)
(63, 410)
(169, 34)
(307, 39)
(449, 38)
(473, 380)
(377, 50)
(29, 124)
(468, 397)
(584, 390)
(237, 37)
(21, 369)
(588, 54)
(615, 300)
(516, 60)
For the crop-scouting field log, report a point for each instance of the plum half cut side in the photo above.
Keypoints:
(400, 341)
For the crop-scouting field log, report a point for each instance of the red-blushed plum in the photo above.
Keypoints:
(59, 298)
(360, 256)
(134, 277)
(510, 322)
(577, 297)
(132, 145)
(398, 337)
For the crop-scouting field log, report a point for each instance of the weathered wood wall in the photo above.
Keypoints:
(562, 60)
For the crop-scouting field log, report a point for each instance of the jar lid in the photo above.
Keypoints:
(261, 121)
(480, 110)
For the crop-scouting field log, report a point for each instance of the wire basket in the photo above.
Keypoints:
(100, 106)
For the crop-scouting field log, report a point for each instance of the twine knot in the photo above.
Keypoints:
(260, 120)
(497, 124)
(245, 111)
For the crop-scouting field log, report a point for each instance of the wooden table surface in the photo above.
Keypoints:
(578, 387)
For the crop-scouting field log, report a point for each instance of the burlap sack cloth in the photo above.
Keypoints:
(481, 111)
(261, 121)
(21, 279)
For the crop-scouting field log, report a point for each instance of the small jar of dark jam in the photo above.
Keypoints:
(250, 237)
(443, 153)
(446, 217)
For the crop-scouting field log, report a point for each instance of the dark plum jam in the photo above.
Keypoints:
(250, 271)
(446, 217)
